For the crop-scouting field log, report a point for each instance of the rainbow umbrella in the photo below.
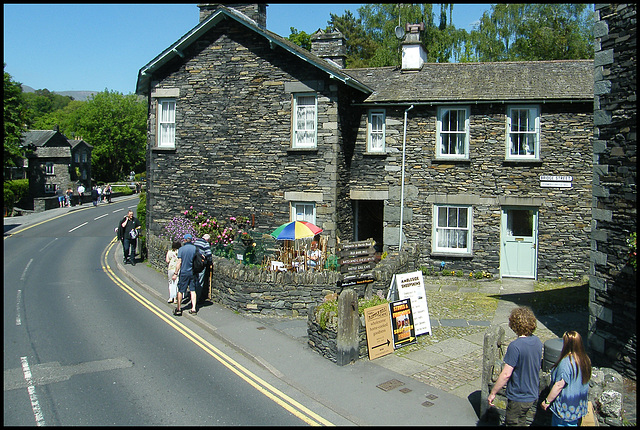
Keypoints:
(296, 230)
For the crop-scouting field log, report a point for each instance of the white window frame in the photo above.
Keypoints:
(441, 133)
(380, 133)
(166, 130)
(451, 230)
(532, 125)
(310, 134)
(303, 211)
(49, 168)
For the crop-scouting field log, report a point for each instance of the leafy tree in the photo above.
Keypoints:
(300, 38)
(63, 118)
(359, 47)
(43, 102)
(529, 32)
(116, 126)
(14, 119)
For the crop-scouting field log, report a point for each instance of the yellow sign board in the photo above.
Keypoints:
(379, 334)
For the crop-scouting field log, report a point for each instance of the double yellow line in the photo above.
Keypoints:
(256, 382)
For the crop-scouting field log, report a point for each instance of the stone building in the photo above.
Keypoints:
(613, 281)
(488, 166)
(55, 162)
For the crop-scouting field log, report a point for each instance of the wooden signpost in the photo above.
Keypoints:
(356, 259)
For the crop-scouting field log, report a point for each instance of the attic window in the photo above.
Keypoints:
(304, 120)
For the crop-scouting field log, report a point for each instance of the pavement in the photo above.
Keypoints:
(436, 385)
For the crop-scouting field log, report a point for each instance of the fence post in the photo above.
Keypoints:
(348, 324)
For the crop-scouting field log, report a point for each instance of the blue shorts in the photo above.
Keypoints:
(186, 280)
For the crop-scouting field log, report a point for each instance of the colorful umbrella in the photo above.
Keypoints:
(296, 230)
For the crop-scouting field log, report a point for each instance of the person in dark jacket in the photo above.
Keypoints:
(128, 232)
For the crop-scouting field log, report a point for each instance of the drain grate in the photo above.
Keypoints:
(427, 404)
(390, 385)
(431, 396)
(405, 390)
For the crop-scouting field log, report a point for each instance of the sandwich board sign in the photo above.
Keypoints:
(411, 286)
(402, 323)
(379, 335)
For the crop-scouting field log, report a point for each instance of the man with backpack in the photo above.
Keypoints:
(203, 246)
(186, 279)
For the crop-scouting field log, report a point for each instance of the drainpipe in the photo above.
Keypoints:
(404, 143)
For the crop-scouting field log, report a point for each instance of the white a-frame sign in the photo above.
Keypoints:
(411, 286)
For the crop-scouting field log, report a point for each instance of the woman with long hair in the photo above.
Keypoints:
(568, 397)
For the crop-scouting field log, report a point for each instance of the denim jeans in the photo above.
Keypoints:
(129, 244)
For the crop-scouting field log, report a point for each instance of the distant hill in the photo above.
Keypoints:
(77, 95)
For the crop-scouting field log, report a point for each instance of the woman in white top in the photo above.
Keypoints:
(172, 261)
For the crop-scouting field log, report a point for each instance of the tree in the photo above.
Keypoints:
(300, 38)
(43, 102)
(529, 32)
(14, 121)
(116, 126)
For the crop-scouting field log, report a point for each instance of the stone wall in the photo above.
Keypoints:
(488, 182)
(605, 387)
(613, 282)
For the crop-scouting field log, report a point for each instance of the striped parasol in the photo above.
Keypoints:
(296, 230)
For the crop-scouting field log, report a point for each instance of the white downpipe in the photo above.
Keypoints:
(404, 143)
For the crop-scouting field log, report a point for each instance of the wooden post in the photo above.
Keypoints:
(348, 324)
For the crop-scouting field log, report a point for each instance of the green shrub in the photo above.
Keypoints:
(141, 211)
(124, 189)
(14, 191)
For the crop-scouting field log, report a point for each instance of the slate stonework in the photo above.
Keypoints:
(613, 282)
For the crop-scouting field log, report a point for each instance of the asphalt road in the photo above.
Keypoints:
(82, 347)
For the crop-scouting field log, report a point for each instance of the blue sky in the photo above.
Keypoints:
(92, 47)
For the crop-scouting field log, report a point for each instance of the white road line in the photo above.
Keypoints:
(117, 210)
(101, 216)
(35, 405)
(24, 272)
(18, 300)
(41, 249)
(78, 226)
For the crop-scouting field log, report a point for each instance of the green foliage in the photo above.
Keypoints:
(14, 191)
(43, 102)
(531, 32)
(632, 258)
(300, 38)
(141, 211)
(124, 189)
(326, 314)
(14, 119)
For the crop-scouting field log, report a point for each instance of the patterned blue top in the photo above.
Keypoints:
(571, 403)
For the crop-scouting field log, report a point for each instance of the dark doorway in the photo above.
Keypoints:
(369, 215)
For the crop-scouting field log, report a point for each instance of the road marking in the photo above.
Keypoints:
(18, 300)
(24, 272)
(255, 381)
(101, 216)
(49, 373)
(43, 248)
(35, 405)
(78, 226)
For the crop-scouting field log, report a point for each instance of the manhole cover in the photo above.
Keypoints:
(431, 396)
(405, 390)
(390, 385)
(262, 328)
(427, 404)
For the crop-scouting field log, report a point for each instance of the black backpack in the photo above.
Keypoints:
(198, 263)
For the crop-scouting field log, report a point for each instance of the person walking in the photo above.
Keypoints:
(172, 261)
(60, 195)
(107, 193)
(186, 280)
(568, 398)
(204, 246)
(80, 193)
(128, 232)
(69, 196)
(94, 195)
(521, 371)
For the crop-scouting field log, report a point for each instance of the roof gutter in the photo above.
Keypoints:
(468, 102)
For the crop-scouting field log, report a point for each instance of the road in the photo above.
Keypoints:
(83, 347)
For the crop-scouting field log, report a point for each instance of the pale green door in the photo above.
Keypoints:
(519, 238)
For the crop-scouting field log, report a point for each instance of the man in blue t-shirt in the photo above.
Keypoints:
(521, 371)
(185, 278)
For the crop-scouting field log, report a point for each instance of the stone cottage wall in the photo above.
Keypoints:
(233, 156)
(487, 182)
(613, 282)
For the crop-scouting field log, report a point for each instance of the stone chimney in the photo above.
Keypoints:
(255, 11)
(413, 53)
(330, 46)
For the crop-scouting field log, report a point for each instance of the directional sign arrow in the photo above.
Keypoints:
(382, 344)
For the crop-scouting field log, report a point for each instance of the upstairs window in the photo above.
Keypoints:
(523, 133)
(452, 229)
(303, 211)
(50, 188)
(376, 131)
(166, 123)
(76, 157)
(84, 156)
(452, 133)
(48, 169)
(304, 120)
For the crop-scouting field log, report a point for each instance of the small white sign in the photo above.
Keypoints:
(556, 184)
(556, 178)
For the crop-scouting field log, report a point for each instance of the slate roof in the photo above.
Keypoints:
(76, 142)
(144, 75)
(484, 82)
(37, 137)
